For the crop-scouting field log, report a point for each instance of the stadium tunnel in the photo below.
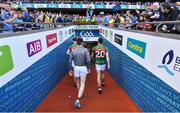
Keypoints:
(144, 74)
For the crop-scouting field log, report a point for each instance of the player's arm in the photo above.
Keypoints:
(68, 51)
(108, 59)
(70, 63)
(88, 60)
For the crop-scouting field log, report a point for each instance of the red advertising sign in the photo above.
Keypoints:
(51, 39)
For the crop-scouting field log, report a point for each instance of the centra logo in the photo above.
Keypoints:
(6, 61)
(137, 47)
(167, 60)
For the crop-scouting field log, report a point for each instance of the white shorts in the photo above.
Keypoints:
(72, 64)
(80, 71)
(101, 67)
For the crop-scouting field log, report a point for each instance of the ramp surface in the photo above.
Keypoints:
(113, 98)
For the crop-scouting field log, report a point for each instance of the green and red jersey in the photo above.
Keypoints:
(100, 54)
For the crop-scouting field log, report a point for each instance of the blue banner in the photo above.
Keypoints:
(97, 6)
(26, 5)
(124, 6)
(52, 5)
(80, 6)
(76, 6)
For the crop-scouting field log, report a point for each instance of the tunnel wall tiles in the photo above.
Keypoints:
(26, 91)
(149, 92)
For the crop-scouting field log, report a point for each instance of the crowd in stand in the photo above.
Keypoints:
(9, 14)
(77, 2)
(129, 19)
(139, 20)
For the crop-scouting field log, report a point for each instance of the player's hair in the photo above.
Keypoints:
(74, 39)
(79, 41)
(100, 40)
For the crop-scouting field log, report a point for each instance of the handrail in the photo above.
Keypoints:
(37, 26)
(159, 23)
(163, 22)
(67, 23)
(155, 22)
(2, 22)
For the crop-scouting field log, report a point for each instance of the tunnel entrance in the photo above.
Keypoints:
(90, 45)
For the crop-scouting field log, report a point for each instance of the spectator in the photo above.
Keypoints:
(107, 19)
(121, 19)
(60, 19)
(39, 16)
(8, 15)
(178, 5)
(117, 20)
(149, 10)
(156, 13)
(25, 14)
(31, 19)
(169, 15)
(19, 19)
(147, 26)
(128, 14)
(139, 26)
(111, 21)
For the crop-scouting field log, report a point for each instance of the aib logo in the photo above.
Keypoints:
(86, 34)
(167, 60)
(34, 47)
(6, 62)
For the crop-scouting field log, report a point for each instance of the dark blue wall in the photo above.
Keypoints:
(26, 91)
(149, 92)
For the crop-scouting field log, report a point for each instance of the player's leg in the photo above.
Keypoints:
(102, 78)
(74, 78)
(103, 67)
(77, 82)
(82, 85)
(83, 74)
(98, 70)
(77, 76)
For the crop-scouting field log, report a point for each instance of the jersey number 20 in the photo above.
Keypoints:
(100, 54)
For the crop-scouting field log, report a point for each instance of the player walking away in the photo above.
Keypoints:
(81, 58)
(101, 59)
(69, 51)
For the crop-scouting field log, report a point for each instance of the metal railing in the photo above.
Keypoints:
(158, 24)
(28, 26)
